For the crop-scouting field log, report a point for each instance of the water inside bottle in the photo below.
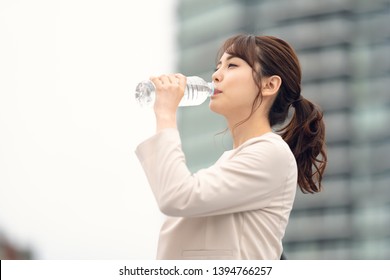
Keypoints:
(196, 94)
(145, 94)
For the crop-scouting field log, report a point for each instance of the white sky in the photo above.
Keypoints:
(70, 184)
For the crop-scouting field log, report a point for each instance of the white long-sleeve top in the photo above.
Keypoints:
(236, 209)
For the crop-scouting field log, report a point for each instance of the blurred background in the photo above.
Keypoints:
(70, 186)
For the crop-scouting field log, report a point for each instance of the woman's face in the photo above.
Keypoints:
(235, 88)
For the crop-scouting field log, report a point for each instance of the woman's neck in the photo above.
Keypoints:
(253, 127)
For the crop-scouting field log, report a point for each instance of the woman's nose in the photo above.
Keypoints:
(216, 77)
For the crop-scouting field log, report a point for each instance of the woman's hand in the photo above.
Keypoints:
(169, 92)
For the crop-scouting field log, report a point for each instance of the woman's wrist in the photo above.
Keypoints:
(164, 121)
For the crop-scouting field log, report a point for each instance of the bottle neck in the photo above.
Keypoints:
(211, 87)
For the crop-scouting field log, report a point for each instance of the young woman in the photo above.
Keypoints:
(239, 207)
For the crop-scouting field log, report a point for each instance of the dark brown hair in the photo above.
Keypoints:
(305, 132)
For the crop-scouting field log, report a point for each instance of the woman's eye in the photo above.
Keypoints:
(230, 65)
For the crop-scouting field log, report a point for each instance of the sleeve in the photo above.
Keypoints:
(247, 181)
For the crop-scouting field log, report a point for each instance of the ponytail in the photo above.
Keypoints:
(305, 134)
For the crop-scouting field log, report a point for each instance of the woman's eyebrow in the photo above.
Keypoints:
(230, 56)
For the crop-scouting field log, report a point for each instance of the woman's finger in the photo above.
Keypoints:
(182, 79)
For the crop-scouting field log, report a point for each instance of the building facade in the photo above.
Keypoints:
(344, 49)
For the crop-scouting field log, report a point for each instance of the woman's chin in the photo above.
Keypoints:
(214, 107)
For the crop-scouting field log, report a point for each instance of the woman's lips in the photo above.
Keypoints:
(217, 91)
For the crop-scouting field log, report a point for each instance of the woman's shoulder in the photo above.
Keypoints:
(270, 143)
(267, 139)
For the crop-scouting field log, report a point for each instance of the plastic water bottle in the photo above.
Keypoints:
(196, 92)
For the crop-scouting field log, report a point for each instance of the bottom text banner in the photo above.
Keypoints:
(210, 269)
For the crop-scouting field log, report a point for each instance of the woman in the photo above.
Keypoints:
(239, 207)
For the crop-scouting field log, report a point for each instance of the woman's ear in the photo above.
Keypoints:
(271, 85)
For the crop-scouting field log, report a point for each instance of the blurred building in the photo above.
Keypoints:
(8, 251)
(344, 49)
